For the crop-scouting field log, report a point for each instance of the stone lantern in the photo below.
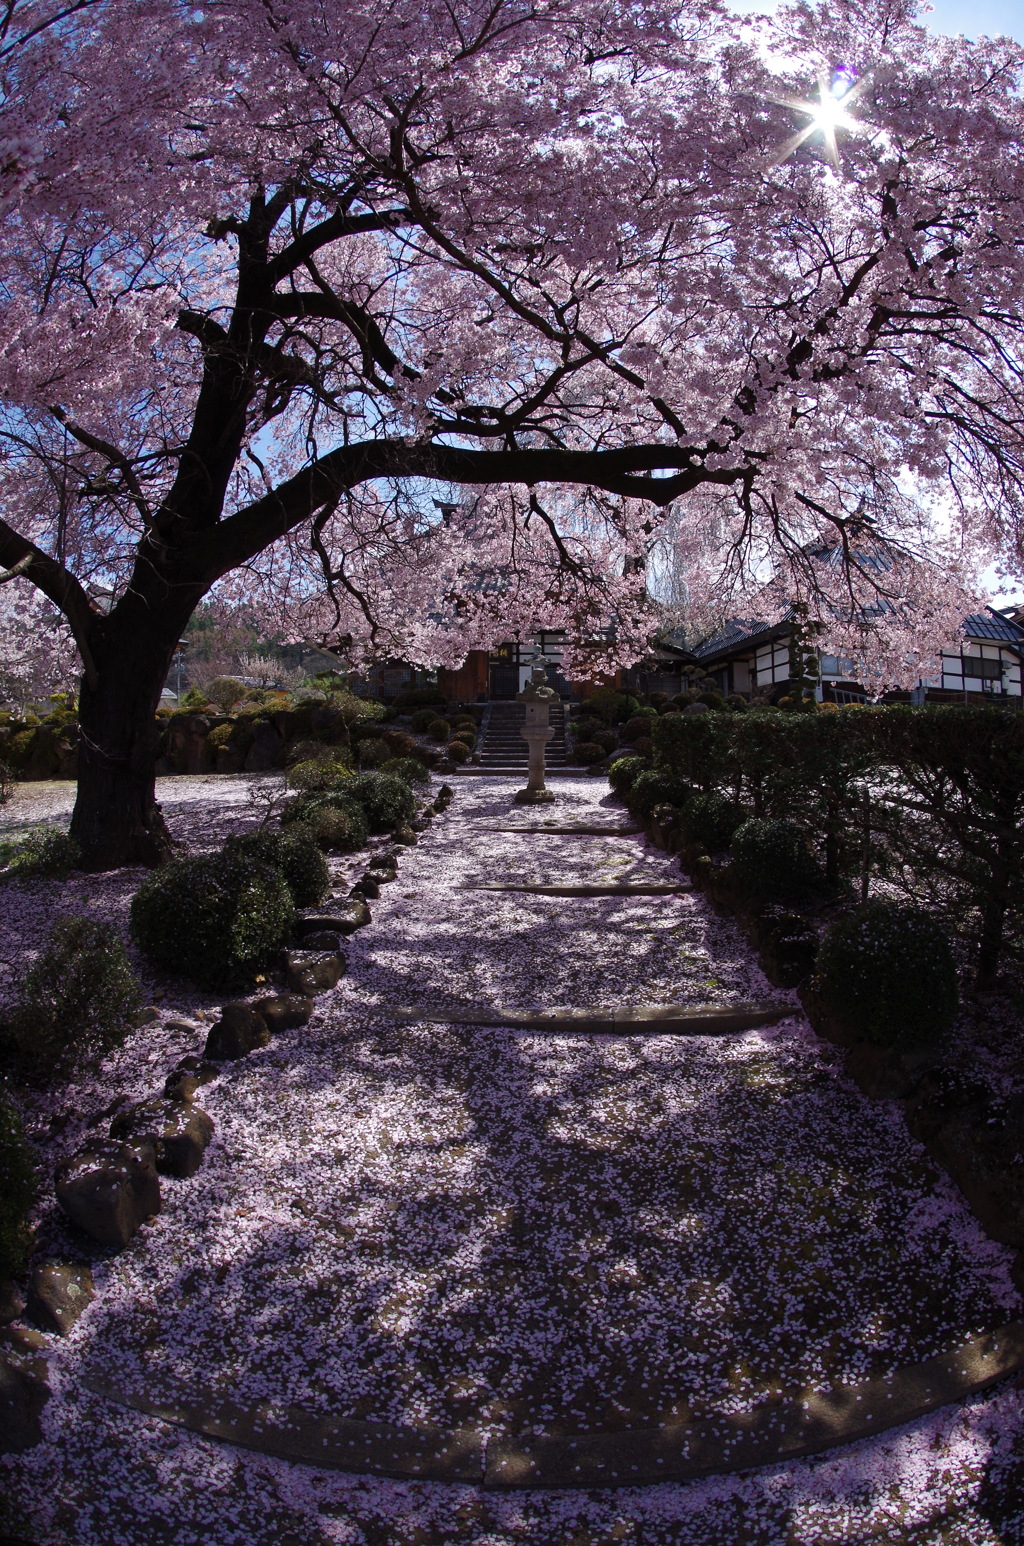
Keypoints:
(537, 732)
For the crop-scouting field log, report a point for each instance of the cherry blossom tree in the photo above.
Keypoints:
(413, 323)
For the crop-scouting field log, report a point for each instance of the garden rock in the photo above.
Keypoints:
(323, 939)
(58, 1292)
(179, 1132)
(285, 1011)
(368, 885)
(238, 1031)
(109, 1189)
(311, 972)
(342, 916)
(183, 1081)
(983, 1156)
(24, 1393)
(266, 750)
(789, 945)
(420, 823)
(12, 1301)
(406, 836)
(942, 1094)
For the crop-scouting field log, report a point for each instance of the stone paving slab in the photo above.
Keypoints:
(789, 1429)
(610, 888)
(657, 1019)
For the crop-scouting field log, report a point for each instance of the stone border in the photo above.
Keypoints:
(785, 1430)
(655, 888)
(553, 831)
(658, 1019)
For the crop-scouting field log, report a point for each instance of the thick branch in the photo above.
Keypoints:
(55, 582)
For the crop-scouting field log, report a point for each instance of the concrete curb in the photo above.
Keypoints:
(788, 1429)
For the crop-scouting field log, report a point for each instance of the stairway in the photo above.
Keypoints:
(502, 748)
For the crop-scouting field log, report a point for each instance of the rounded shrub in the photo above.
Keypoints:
(18, 1184)
(606, 739)
(655, 787)
(639, 725)
(344, 832)
(388, 801)
(400, 744)
(773, 860)
(439, 729)
(643, 746)
(586, 726)
(886, 973)
(77, 1000)
(408, 768)
(458, 751)
(421, 719)
(373, 754)
(587, 752)
(217, 918)
(219, 736)
(225, 692)
(294, 853)
(317, 776)
(624, 771)
(710, 820)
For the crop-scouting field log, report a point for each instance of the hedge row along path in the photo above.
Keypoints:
(505, 1265)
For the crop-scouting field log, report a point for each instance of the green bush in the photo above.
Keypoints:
(294, 853)
(193, 702)
(773, 861)
(400, 744)
(655, 787)
(387, 801)
(458, 751)
(588, 752)
(610, 706)
(421, 719)
(886, 973)
(218, 919)
(225, 692)
(19, 746)
(77, 1000)
(336, 823)
(640, 724)
(417, 697)
(17, 1191)
(625, 771)
(41, 853)
(317, 776)
(408, 768)
(220, 735)
(710, 820)
(439, 730)
(585, 726)
(373, 754)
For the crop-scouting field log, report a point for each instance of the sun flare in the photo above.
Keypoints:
(829, 113)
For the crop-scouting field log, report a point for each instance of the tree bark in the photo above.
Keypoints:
(116, 819)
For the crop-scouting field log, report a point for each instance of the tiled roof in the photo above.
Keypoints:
(992, 625)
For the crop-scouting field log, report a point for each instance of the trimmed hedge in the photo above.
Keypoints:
(388, 801)
(295, 854)
(656, 787)
(886, 974)
(773, 861)
(624, 772)
(711, 820)
(217, 918)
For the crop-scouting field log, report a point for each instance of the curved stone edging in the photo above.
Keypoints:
(610, 888)
(789, 1429)
(658, 1019)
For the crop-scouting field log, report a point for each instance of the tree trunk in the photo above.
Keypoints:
(116, 819)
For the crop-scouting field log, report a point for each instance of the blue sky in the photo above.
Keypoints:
(977, 17)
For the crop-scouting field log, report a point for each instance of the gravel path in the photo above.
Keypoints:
(429, 1223)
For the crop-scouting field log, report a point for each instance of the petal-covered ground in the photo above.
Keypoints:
(429, 1223)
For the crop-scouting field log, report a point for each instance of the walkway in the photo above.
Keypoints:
(498, 1239)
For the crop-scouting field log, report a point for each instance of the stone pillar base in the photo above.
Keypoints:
(534, 797)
